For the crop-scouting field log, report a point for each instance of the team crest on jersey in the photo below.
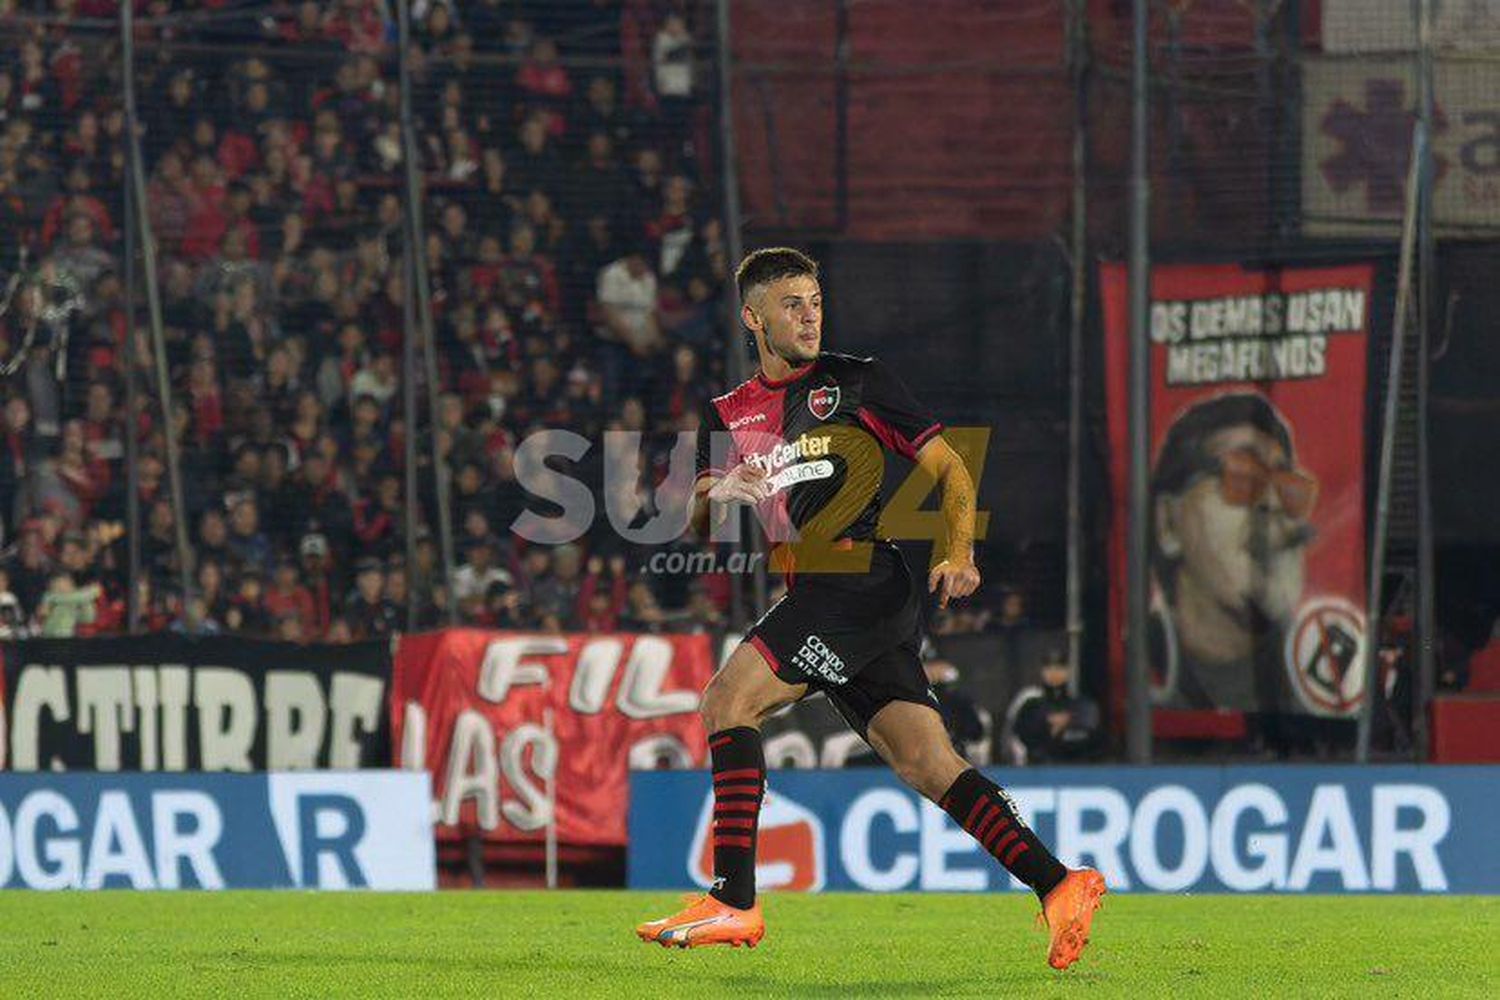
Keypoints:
(823, 400)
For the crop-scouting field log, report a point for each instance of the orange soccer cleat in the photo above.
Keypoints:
(1069, 912)
(703, 921)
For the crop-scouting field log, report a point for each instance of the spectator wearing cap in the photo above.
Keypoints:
(370, 615)
(315, 559)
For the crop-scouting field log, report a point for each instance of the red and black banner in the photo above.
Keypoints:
(473, 707)
(1257, 518)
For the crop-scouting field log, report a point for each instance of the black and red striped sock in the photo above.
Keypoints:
(987, 814)
(739, 784)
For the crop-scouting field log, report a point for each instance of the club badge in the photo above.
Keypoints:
(823, 400)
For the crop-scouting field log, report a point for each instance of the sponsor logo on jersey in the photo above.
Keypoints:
(802, 472)
(753, 418)
(806, 446)
(789, 850)
(823, 400)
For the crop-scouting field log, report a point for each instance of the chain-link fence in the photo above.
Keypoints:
(347, 436)
(347, 429)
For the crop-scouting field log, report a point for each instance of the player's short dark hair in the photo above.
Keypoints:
(768, 264)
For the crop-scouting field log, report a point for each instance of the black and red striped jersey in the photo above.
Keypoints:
(821, 435)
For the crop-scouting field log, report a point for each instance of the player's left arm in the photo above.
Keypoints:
(956, 575)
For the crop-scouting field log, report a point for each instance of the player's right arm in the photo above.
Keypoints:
(713, 496)
(715, 490)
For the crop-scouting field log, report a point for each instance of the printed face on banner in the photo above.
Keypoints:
(1256, 500)
(1230, 529)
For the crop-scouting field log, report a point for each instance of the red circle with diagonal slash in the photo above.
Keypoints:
(1324, 684)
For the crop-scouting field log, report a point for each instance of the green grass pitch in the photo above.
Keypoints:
(566, 944)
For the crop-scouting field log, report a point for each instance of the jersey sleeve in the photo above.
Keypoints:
(888, 410)
(713, 444)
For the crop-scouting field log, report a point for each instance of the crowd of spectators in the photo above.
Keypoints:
(575, 263)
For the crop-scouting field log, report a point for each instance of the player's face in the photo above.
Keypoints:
(1241, 535)
(788, 312)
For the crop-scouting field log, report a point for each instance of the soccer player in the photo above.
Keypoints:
(801, 442)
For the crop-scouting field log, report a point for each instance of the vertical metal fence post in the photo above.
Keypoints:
(419, 295)
(736, 365)
(1137, 674)
(1426, 625)
(1077, 66)
(132, 443)
(549, 790)
(136, 170)
(1371, 664)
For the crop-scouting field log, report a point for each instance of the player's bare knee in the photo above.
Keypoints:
(724, 707)
(929, 769)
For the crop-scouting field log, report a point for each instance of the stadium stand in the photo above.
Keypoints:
(575, 258)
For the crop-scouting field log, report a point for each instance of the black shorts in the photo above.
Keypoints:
(855, 637)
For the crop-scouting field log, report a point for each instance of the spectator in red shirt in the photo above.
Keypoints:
(205, 221)
(287, 596)
(77, 200)
(544, 83)
(207, 402)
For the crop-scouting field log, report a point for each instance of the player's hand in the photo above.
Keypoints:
(953, 578)
(745, 483)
